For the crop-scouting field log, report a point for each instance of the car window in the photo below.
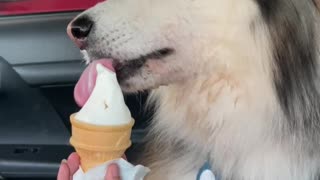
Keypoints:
(23, 7)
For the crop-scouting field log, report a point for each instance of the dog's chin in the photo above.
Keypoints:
(133, 89)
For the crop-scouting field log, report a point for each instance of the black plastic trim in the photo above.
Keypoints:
(54, 73)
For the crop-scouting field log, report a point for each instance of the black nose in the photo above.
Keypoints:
(81, 27)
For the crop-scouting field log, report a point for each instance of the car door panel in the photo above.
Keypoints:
(37, 39)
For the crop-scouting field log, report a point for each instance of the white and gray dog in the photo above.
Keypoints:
(235, 82)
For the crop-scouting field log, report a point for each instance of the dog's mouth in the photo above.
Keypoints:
(129, 67)
(123, 69)
(126, 68)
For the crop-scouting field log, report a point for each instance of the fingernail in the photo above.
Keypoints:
(115, 171)
(64, 161)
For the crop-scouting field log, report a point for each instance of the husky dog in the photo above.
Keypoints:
(234, 82)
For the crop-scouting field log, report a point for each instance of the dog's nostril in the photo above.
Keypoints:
(81, 27)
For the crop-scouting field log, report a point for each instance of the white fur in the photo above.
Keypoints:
(214, 95)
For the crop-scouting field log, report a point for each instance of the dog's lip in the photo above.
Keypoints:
(116, 64)
(155, 55)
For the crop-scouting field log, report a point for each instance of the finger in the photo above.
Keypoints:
(73, 163)
(317, 2)
(113, 172)
(64, 172)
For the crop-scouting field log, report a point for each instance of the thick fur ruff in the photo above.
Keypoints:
(241, 88)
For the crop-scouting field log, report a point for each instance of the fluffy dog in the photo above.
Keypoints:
(235, 82)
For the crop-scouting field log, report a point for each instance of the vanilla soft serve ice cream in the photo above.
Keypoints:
(101, 130)
(106, 105)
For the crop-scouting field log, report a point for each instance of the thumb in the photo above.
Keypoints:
(113, 173)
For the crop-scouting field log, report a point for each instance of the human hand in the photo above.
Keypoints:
(69, 167)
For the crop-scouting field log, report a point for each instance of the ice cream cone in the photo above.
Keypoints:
(99, 144)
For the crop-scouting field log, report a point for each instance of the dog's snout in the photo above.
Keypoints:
(81, 27)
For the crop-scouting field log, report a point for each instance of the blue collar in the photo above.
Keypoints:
(206, 173)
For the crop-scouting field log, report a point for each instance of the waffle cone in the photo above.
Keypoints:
(99, 144)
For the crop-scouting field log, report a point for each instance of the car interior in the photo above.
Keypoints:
(39, 66)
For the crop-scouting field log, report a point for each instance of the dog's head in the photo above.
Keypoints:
(158, 42)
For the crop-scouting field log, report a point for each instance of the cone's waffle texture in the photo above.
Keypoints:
(99, 144)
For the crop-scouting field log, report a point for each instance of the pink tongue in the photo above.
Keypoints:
(87, 81)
